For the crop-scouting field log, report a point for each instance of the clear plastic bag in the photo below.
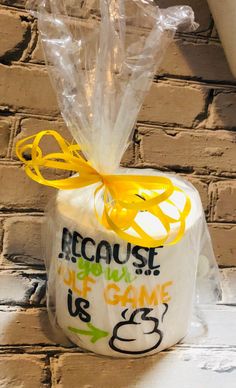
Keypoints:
(106, 294)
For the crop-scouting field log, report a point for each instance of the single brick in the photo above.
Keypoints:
(21, 370)
(65, 371)
(13, 32)
(10, 294)
(198, 60)
(224, 243)
(224, 200)
(18, 191)
(202, 188)
(222, 111)
(27, 89)
(29, 327)
(5, 130)
(165, 369)
(200, 151)
(173, 104)
(201, 10)
(19, 288)
(22, 238)
(31, 126)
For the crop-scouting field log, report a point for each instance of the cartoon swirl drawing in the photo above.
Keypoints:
(139, 334)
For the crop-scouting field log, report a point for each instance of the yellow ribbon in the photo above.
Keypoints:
(124, 196)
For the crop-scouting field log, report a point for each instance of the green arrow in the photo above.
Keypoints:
(95, 333)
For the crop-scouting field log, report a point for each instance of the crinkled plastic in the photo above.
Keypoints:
(107, 295)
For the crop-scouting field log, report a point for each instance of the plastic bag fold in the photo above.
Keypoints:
(102, 57)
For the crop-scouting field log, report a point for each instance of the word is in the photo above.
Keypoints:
(78, 307)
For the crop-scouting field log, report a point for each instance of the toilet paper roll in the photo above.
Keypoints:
(111, 297)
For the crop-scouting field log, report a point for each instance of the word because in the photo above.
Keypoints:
(74, 246)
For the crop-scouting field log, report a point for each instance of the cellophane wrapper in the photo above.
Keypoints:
(103, 293)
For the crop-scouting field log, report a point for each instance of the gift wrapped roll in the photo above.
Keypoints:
(122, 245)
(116, 298)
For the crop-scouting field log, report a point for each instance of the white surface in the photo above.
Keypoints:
(207, 363)
(126, 336)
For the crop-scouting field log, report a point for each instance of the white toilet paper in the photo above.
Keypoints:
(114, 298)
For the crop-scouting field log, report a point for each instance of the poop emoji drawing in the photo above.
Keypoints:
(138, 334)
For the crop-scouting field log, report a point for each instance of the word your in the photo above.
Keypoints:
(137, 296)
(74, 246)
(87, 268)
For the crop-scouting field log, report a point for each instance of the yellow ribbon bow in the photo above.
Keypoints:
(124, 196)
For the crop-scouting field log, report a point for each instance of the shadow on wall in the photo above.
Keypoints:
(199, 59)
(196, 57)
(39, 329)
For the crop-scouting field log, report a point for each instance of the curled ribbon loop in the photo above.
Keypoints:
(124, 196)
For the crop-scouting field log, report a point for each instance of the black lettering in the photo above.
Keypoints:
(152, 254)
(83, 248)
(116, 253)
(66, 243)
(80, 305)
(84, 315)
(69, 304)
(76, 239)
(103, 246)
(138, 256)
